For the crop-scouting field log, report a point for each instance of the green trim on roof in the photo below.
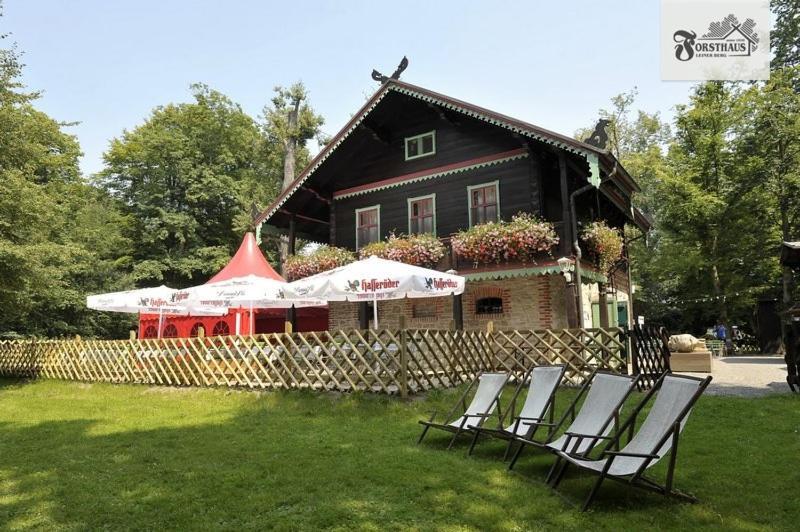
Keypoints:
(594, 169)
(551, 269)
(494, 121)
(509, 274)
(593, 276)
(591, 158)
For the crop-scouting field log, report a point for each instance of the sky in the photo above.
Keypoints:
(107, 64)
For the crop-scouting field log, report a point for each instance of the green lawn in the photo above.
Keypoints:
(76, 456)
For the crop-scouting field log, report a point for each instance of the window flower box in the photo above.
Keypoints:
(322, 259)
(520, 240)
(419, 250)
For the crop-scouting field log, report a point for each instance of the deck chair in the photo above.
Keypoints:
(544, 381)
(483, 404)
(598, 414)
(657, 436)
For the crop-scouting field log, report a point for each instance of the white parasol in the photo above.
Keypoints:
(248, 291)
(159, 300)
(372, 279)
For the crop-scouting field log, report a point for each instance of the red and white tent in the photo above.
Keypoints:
(247, 261)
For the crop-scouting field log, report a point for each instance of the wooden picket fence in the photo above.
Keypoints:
(385, 361)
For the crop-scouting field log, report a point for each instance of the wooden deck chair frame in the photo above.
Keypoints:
(463, 427)
(501, 433)
(569, 416)
(637, 479)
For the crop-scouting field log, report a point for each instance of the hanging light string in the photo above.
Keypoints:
(710, 298)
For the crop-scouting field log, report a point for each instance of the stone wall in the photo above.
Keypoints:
(527, 303)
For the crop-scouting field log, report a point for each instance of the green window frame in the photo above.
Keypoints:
(367, 228)
(415, 146)
(478, 211)
(418, 215)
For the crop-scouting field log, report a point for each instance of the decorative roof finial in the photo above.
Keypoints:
(599, 137)
(377, 76)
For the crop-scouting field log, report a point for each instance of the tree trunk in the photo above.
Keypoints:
(602, 301)
(290, 145)
(722, 305)
(787, 277)
(288, 163)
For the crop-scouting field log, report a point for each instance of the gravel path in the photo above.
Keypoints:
(748, 376)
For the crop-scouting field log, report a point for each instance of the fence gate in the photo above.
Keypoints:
(650, 353)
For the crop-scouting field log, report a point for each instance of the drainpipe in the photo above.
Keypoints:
(575, 242)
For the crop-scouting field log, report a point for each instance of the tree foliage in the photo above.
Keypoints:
(187, 177)
(60, 238)
(785, 36)
(722, 190)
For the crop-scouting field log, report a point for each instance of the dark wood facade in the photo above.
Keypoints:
(451, 201)
(365, 165)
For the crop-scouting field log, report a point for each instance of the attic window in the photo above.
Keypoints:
(420, 145)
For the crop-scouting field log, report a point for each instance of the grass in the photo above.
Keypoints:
(77, 456)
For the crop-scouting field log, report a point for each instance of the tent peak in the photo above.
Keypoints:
(248, 260)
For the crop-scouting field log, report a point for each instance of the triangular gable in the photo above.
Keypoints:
(590, 153)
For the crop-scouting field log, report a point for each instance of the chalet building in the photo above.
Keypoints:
(412, 160)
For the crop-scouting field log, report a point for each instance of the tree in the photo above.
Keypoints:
(629, 135)
(712, 215)
(785, 36)
(769, 141)
(291, 122)
(186, 177)
(708, 261)
(59, 237)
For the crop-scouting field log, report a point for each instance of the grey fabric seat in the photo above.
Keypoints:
(483, 404)
(597, 415)
(605, 397)
(656, 437)
(490, 385)
(540, 400)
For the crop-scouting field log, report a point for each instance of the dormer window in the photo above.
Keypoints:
(420, 145)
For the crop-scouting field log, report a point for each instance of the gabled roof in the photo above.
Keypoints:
(248, 260)
(591, 153)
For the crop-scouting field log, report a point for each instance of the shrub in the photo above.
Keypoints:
(322, 259)
(419, 250)
(603, 244)
(521, 239)
(375, 249)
